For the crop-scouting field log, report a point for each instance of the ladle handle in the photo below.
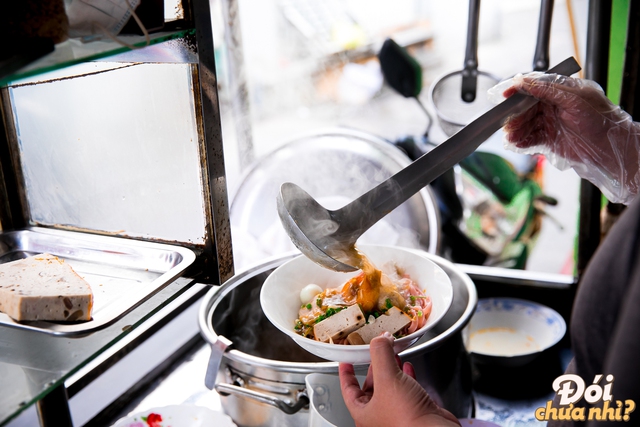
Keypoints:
(541, 55)
(382, 199)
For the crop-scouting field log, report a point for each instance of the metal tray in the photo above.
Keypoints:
(122, 273)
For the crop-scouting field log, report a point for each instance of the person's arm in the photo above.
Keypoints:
(390, 396)
(576, 125)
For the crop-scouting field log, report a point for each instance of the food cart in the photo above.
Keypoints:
(141, 208)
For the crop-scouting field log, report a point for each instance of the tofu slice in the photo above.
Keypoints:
(392, 321)
(44, 287)
(340, 324)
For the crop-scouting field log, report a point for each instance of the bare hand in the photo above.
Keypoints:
(397, 399)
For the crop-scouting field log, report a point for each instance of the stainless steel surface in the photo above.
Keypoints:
(519, 277)
(266, 361)
(328, 236)
(335, 166)
(122, 273)
(287, 406)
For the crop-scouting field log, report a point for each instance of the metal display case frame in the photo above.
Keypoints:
(213, 263)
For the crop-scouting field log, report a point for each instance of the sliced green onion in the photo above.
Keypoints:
(330, 312)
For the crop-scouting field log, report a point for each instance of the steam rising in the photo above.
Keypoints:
(240, 318)
(325, 227)
(335, 170)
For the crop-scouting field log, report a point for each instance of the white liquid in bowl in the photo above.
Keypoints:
(501, 341)
(508, 327)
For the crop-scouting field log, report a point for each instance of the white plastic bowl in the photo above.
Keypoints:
(326, 404)
(280, 297)
(512, 331)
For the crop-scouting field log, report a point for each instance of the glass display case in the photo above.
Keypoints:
(111, 159)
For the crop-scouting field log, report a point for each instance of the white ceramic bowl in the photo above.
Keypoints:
(512, 331)
(179, 416)
(280, 297)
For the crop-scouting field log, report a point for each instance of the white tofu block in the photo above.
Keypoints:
(340, 324)
(392, 321)
(44, 287)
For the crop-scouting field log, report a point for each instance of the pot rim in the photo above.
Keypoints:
(216, 294)
(464, 318)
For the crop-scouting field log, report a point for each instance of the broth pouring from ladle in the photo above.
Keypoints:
(328, 237)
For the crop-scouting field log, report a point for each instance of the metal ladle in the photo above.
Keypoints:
(328, 237)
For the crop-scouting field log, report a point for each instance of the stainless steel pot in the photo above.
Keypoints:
(260, 372)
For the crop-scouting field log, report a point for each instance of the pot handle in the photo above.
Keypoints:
(288, 408)
(217, 351)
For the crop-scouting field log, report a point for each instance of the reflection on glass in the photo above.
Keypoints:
(114, 151)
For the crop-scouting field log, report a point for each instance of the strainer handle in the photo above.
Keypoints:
(541, 56)
(470, 71)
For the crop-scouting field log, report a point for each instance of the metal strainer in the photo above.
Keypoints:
(453, 112)
(454, 95)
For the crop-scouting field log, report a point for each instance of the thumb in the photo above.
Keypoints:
(383, 359)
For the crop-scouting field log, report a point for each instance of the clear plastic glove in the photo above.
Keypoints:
(575, 125)
(397, 399)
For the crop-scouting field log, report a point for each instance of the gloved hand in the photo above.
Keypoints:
(576, 125)
(397, 399)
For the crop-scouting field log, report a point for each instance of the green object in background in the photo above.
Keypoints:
(617, 51)
(494, 172)
(401, 71)
(617, 47)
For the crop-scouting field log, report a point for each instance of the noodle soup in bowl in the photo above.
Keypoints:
(281, 300)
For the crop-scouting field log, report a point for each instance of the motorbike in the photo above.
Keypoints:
(491, 211)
